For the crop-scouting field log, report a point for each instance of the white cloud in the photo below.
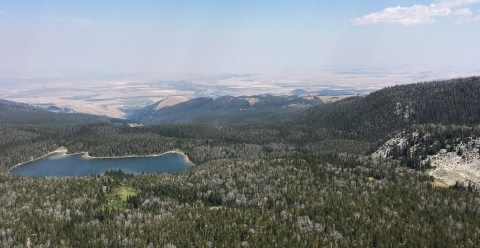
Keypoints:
(419, 14)
(416, 14)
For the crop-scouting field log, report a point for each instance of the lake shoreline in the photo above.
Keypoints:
(87, 156)
(46, 155)
(178, 152)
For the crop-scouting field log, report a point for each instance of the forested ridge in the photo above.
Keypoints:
(201, 142)
(307, 183)
(373, 116)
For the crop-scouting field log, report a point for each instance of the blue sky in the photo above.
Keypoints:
(67, 38)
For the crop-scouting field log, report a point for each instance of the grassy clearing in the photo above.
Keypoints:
(119, 195)
(124, 192)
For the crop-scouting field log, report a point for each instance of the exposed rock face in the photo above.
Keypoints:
(385, 151)
(459, 162)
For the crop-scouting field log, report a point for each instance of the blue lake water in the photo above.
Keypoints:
(60, 164)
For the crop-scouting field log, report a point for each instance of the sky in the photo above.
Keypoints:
(86, 38)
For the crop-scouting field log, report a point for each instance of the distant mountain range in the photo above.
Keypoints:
(226, 109)
(372, 116)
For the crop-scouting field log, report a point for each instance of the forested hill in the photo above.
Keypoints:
(453, 101)
(227, 109)
(22, 113)
(9, 105)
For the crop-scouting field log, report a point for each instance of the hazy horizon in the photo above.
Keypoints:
(89, 38)
(103, 56)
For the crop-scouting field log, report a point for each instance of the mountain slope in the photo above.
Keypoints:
(226, 109)
(22, 113)
(453, 101)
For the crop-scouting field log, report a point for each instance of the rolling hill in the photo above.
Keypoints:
(226, 109)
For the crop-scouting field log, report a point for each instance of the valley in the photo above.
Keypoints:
(116, 96)
(354, 172)
(239, 124)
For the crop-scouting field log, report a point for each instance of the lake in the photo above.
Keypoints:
(59, 164)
